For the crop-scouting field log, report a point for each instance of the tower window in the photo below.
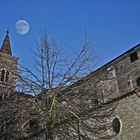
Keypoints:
(2, 75)
(7, 76)
(133, 57)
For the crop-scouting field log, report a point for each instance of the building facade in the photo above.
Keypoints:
(8, 66)
(116, 82)
(17, 109)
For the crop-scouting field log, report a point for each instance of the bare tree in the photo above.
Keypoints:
(64, 105)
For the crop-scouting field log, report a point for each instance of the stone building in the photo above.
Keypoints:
(8, 66)
(115, 82)
(118, 82)
(15, 107)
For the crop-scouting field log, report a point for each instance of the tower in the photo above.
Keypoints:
(8, 67)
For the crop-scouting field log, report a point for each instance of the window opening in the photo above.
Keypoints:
(7, 76)
(111, 72)
(116, 125)
(34, 124)
(2, 75)
(0, 98)
(133, 57)
(138, 81)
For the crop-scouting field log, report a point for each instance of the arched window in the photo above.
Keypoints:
(2, 75)
(7, 76)
(138, 81)
(116, 125)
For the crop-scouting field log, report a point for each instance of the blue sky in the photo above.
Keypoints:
(113, 24)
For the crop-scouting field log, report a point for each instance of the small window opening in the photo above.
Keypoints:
(138, 81)
(111, 72)
(116, 125)
(34, 124)
(0, 98)
(133, 57)
(96, 102)
(7, 76)
(2, 75)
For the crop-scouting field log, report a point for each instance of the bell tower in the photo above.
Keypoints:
(8, 67)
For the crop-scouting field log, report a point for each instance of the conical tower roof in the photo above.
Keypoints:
(6, 45)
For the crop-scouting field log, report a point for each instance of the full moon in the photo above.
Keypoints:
(22, 27)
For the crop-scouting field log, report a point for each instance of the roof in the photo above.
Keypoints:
(6, 45)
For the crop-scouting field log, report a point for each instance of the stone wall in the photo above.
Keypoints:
(128, 110)
(115, 81)
(19, 115)
(112, 81)
(8, 63)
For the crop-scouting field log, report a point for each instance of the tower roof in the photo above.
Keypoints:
(6, 45)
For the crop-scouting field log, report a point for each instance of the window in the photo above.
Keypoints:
(116, 125)
(2, 75)
(133, 57)
(34, 124)
(0, 98)
(138, 81)
(7, 76)
(111, 72)
(96, 102)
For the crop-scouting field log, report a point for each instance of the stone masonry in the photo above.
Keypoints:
(115, 82)
(118, 81)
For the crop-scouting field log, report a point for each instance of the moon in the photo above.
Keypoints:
(22, 27)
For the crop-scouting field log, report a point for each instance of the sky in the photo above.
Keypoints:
(113, 24)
